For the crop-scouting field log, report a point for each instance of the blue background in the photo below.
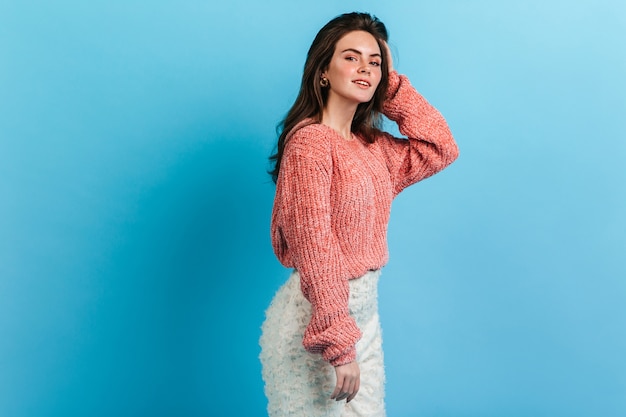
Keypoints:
(135, 261)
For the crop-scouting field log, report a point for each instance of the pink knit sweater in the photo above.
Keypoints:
(332, 205)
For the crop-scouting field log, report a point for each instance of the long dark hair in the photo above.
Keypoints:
(312, 96)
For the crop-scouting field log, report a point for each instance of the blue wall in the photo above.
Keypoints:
(135, 262)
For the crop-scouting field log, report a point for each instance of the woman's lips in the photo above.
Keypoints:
(362, 83)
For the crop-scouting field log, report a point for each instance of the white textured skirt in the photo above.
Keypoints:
(299, 383)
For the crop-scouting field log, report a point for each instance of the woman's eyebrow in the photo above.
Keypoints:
(356, 51)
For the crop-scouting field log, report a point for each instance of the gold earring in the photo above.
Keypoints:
(324, 82)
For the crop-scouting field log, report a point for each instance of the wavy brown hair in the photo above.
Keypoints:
(312, 96)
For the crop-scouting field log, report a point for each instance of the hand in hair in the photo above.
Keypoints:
(389, 57)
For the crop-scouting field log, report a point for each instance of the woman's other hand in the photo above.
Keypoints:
(348, 382)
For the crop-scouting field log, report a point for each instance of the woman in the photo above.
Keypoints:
(336, 174)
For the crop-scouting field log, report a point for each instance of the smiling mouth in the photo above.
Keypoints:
(362, 83)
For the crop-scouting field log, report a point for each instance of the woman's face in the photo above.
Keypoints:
(354, 71)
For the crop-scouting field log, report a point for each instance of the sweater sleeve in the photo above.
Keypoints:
(430, 146)
(305, 186)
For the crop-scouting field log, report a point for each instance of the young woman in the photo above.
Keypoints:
(336, 175)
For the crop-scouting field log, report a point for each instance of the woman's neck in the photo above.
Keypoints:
(339, 117)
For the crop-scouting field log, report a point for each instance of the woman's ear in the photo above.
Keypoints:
(323, 72)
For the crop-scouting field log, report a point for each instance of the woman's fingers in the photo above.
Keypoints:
(348, 381)
(337, 390)
(356, 389)
(346, 390)
(343, 389)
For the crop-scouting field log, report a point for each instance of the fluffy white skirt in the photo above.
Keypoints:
(298, 383)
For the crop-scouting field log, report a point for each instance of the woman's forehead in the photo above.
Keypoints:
(360, 41)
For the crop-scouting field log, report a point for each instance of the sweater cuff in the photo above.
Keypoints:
(345, 358)
(393, 84)
(336, 343)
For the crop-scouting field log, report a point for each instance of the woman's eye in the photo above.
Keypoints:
(351, 58)
(376, 64)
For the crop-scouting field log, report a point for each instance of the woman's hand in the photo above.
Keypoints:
(348, 382)
(389, 57)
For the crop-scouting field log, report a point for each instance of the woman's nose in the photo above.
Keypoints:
(364, 69)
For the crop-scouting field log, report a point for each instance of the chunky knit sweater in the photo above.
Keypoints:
(332, 205)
